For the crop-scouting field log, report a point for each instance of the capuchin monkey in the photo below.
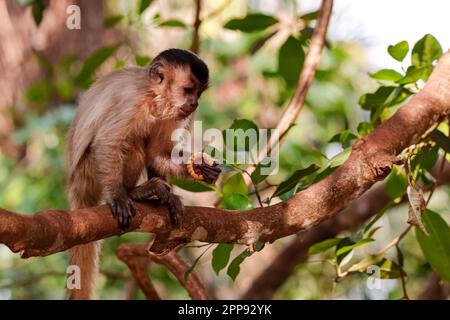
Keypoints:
(123, 126)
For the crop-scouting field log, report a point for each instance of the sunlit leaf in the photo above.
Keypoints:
(413, 74)
(323, 246)
(236, 201)
(386, 74)
(399, 51)
(426, 51)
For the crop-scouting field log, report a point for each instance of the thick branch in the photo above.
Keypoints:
(370, 160)
(267, 283)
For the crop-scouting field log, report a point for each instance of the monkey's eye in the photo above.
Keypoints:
(189, 90)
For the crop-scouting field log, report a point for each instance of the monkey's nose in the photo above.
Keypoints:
(194, 105)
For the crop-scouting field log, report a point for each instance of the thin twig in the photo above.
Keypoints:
(306, 77)
(195, 45)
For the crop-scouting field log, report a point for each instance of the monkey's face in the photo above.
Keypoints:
(178, 93)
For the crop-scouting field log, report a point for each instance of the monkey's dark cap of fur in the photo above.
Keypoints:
(186, 58)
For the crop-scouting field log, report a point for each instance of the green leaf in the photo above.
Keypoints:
(194, 264)
(344, 249)
(235, 184)
(290, 61)
(413, 74)
(344, 138)
(310, 16)
(173, 23)
(374, 100)
(294, 179)
(441, 140)
(386, 74)
(323, 246)
(339, 159)
(142, 61)
(364, 128)
(93, 62)
(436, 246)
(367, 261)
(235, 266)
(344, 242)
(221, 256)
(252, 22)
(257, 176)
(425, 51)
(399, 51)
(111, 21)
(192, 186)
(236, 201)
(37, 8)
(371, 232)
(144, 4)
(396, 183)
(242, 135)
(390, 270)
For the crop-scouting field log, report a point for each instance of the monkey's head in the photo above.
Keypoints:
(178, 78)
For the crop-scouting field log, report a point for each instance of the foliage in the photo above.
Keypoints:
(252, 79)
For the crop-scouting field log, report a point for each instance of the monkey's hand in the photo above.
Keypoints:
(122, 208)
(161, 190)
(202, 167)
(210, 173)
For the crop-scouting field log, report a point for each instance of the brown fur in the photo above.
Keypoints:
(123, 124)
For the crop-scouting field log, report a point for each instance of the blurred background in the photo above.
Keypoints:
(254, 70)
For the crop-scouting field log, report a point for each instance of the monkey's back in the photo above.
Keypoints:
(112, 97)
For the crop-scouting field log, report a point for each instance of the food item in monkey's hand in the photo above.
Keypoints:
(202, 167)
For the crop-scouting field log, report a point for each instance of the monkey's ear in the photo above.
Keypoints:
(156, 72)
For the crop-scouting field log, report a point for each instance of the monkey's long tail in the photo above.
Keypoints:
(85, 257)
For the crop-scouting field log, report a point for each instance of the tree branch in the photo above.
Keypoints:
(267, 283)
(370, 160)
(195, 45)
(304, 82)
(138, 267)
(173, 262)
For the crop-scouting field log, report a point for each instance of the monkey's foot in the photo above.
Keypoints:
(157, 187)
(122, 209)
